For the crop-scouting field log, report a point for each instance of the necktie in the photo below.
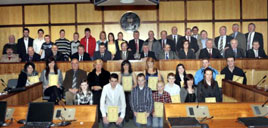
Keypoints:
(188, 38)
(137, 46)
(81, 58)
(166, 56)
(30, 58)
(221, 45)
(163, 44)
(235, 52)
(210, 53)
(102, 55)
(74, 80)
(256, 53)
(249, 40)
(9, 58)
(145, 54)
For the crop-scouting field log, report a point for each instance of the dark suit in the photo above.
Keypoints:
(150, 54)
(170, 42)
(107, 56)
(227, 44)
(36, 57)
(190, 54)
(241, 38)
(117, 45)
(132, 45)
(257, 37)
(251, 54)
(68, 80)
(171, 38)
(204, 53)
(21, 46)
(59, 56)
(86, 56)
(230, 53)
(118, 55)
(192, 45)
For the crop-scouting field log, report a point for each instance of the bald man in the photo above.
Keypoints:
(31, 56)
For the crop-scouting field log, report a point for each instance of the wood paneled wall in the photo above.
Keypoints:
(206, 14)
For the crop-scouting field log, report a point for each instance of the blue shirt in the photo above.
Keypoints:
(199, 75)
(203, 41)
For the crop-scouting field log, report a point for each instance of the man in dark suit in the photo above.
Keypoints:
(192, 41)
(234, 51)
(135, 45)
(58, 56)
(253, 36)
(167, 54)
(163, 41)
(73, 78)
(256, 51)
(174, 36)
(81, 55)
(240, 37)
(195, 33)
(24, 43)
(31, 56)
(209, 51)
(146, 53)
(102, 53)
(222, 42)
(124, 54)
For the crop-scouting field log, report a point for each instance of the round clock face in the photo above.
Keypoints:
(130, 21)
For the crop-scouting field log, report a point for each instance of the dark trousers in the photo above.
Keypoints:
(54, 93)
(129, 113)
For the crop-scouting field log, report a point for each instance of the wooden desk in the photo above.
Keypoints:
(31, 93)
(225, 114)
(243, 93)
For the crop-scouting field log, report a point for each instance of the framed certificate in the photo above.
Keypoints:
(238, 79)
(33, 79)
(141, 118)
(176, 99)
(158, 109)
(53, 80)
(127, 83)
(152, 82)
(112, 113)
(210, 100)
(219, 79)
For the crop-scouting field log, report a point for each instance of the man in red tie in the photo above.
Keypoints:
(89, 42)
(135, 45)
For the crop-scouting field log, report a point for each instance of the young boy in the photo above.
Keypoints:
(171, 87)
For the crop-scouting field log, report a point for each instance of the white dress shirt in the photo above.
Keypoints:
(37, 44)
(113, 97)
(251, 39)
(256, 53)
(172, 89)
(26, 42)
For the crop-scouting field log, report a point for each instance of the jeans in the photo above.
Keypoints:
(157, 122)
(149, 122)
(114, 123)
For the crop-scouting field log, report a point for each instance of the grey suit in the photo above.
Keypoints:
(107, 56)
(172, 55)
(230, 53)
(241, 41)
(184, 93)
(156, 47)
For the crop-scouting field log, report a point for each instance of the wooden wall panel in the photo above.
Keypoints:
(115, 15)
(254, 9)
(172, 10)
(88, 13)
(260, 27)
(36, 14)
(227, 24)
(202, 26)
(168, 26)
(227, 9)
(11, 15)
(199, 10)
(5, 32)
(69, 30)
(33, 31)
(95, 30)
(62, 13)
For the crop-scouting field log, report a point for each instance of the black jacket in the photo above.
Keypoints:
(251, 54)
(192, 45)
(36, 57)
(150, 54)
(118, 56)
(190, 54)
(204, 53)
(132, 45)
(21, 47)
(86, 56)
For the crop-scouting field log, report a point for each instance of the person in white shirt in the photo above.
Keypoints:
(113, 95)
(171, 87)
(39, 41)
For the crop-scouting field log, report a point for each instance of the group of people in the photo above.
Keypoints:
(193, 45)
(106, 89)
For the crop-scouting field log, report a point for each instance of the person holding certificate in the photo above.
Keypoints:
(52, 81)
(189, 91)
(25, 74)
(151, 74)
(180, 74)
(113, 103)
(160, 97)
(128, 80)
(208, 88)
(141, 102)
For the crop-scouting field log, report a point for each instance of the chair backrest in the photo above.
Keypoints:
(12, 83)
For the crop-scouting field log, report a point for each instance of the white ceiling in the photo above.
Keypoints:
(11, 2)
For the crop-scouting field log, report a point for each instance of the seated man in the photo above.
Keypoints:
(146, 53)
(209, 51)
(58, 56)
(167, 54)
(230, 70)
(72, 81)
(31, 56)
(10, 56)
(256, 51)
(199, 75)
(102, 53)
(124, 54)
(234, 51)
(81, 55)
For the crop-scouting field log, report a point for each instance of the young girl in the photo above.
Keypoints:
(84, 95)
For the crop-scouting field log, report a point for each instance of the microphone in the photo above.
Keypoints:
(264, 103)
(261, 80)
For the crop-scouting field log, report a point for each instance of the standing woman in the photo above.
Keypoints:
(55, 93)
(189, 91)
(97, 78)
(119, 41)
(186, 52)
(151, 71)
(208, 87)
(126, 71)
(111, 46)
(103, 39)
(180, 74)
(28, 71)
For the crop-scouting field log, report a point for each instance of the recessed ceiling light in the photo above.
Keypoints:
(127, 1)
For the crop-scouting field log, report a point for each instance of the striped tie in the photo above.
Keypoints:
(74, 80)
(221, 45)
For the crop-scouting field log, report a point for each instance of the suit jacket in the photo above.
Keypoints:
(172, 55)
(117, 45)
(118, 55)
(107, 55)
(59, 56)
(229, 53)
(86, 56)
(200, 45)
(198, 36)
(68, 80)
(192, 45)
(190, 54)
(241, 40)
(36, 57)
(228, 40)
(150, 54)
(204, 53)
(21, 47)
(251, 54)
(132, 45)
(14, 58)
(257, 37)
(171, 38)
(156, 47)
(170, 42)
